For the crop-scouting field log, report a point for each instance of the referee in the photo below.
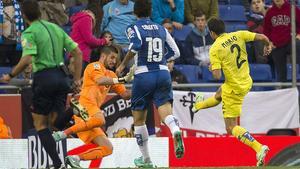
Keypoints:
(43, 45)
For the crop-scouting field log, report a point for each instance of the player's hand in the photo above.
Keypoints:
(298, 37)
(177, 25)
(209, 67)
(76, 86)
(120, 69)
(130, 75)
(268, 49)
(5, 78)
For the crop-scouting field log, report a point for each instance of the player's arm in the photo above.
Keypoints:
(268, 44)
(172, 48)
(121, 90)
(135, 44)
(215, 64)
(263, 38)
(217, 74)
(250, 36)
(104, 80)
(29, 49)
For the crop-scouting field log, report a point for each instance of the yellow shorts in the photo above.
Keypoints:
(232, 102)
(89, 135)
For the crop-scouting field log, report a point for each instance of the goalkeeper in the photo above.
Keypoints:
(98, 80)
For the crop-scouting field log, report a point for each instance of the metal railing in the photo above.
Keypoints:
(193, 85)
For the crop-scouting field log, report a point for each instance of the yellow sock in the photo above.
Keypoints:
(207, 103)
(245, 137)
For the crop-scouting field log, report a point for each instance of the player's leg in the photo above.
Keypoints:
(97, 137)
(165, 112)
(245, 137)
(163, 97)
(40, 123)
(232, 106)
(96, 119)
(142, 88)
(212, 101)
(43, 103)
(141, 134)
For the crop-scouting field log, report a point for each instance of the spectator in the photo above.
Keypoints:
(209, 8)
(277, 27)
(11, 26)
(255, 24)
(118, 15)
(54, 11)
(5, 132)
(97, 53)
(83, 25)
(198, 42)
(168, 9)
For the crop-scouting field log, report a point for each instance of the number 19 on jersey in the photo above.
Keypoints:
(154, 46)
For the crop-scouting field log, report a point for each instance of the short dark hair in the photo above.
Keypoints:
(216, 25)
(31, 10)
(142, 8)
(109, 49)
(105, 32)
(198, 13)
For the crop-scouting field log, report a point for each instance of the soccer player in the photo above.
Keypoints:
(228, 53)
(98, 80)
(152, 45)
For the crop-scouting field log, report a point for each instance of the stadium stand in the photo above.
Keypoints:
(232, 26)
(289, 72)
(235, 2)
(232, 13)
(208, 77)
(5, 70)
(181, 35)
(191, 72)
(261, 73)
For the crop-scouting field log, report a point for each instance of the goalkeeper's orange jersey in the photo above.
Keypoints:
(4, 130)
(91, 92)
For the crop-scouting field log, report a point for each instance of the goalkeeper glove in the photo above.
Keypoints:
(127, 78)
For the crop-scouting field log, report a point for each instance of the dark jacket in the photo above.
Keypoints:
(197, 45)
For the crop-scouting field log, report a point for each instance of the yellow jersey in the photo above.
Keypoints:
(229, 53)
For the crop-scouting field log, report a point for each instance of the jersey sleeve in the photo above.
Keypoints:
(247, 36)
(117, 88)
(215, 60)
(135, 40)
(69, 44)
(171, 47)
(28, 44)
